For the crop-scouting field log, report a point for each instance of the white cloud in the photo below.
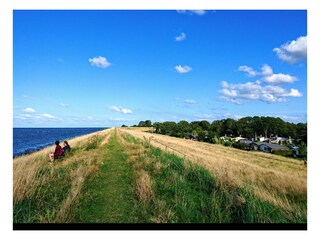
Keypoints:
(266, 70)
(101, 62)
(190, 101)
(191, 12)
(29, 110)
(47, 115)
(212, 117)
(181, 37)
(90, 118)
(64, 105)
(229, 93)
(279, 78)
(44, 116)
(182, 69)
(268, 76)
(120, 109)
(294, 51)
(248, 70)
(250, 91)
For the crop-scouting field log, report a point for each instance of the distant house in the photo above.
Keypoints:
(237, 139)
(278, 140)
(246, 144)
(191, 136)
(268, 147)
(295, 150)
(262, 139)
(225, 138)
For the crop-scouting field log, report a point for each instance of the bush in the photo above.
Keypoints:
(93, 142)
(285, 153)
(227, 143)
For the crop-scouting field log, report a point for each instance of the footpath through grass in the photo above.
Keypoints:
(107, 197)
(129, 181)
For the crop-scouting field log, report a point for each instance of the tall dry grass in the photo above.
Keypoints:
(78, 176)
(32, 173)
(275, 179)
(143, 184)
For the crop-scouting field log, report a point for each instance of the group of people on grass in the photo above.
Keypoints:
(59, 151)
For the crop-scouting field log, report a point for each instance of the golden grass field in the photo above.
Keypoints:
(277, 180)
(26, 167)
(269, 176)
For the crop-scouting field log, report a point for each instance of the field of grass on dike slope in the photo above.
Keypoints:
(112, 177)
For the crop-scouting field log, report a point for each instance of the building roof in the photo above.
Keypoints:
(272, 146)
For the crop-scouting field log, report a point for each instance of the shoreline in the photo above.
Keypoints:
(49, 148)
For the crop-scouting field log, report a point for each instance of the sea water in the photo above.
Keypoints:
(27, 140)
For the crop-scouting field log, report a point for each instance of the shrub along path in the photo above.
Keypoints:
(107, 197)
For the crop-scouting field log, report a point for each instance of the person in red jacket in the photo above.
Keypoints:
(58, 152)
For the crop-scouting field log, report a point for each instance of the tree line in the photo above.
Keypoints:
(248, 127)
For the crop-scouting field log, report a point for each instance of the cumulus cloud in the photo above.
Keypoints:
(29, 110)
(238, 93)
(181, 37)
(190, 101)
(100, 62)
(268, 76)
(120, 109)
(47, 115)
(191, 12)
(294, 51)
(248, 70)
(279, 78)
(182, 69)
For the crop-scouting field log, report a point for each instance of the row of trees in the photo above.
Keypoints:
(248, 127)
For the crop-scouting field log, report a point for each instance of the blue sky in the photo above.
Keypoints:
(108, 68)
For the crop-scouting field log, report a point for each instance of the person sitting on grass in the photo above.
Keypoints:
(66, 147)
(58, 152)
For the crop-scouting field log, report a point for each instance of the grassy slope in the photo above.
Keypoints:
(127, 180)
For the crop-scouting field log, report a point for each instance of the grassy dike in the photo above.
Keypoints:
(125, 180)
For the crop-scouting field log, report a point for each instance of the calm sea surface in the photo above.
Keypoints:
(27, 140)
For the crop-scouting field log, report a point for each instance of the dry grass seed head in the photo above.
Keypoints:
(144, 186)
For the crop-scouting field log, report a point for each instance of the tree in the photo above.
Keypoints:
(266, 125)
(201, 134)
(245, 128)
(194, 125)
(302, 132)
(142, 124)
(205, 125)
(148, 123)
(169, 128)
(303, 150)
(157, 126)
(184, 127)
(216, 127)
(229, 127)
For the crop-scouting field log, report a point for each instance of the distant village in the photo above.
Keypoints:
(265, 134)
(264, 144)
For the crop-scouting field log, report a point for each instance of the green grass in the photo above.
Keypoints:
(188, 193)
(107, 197)
(182, 192)
(44, 204)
